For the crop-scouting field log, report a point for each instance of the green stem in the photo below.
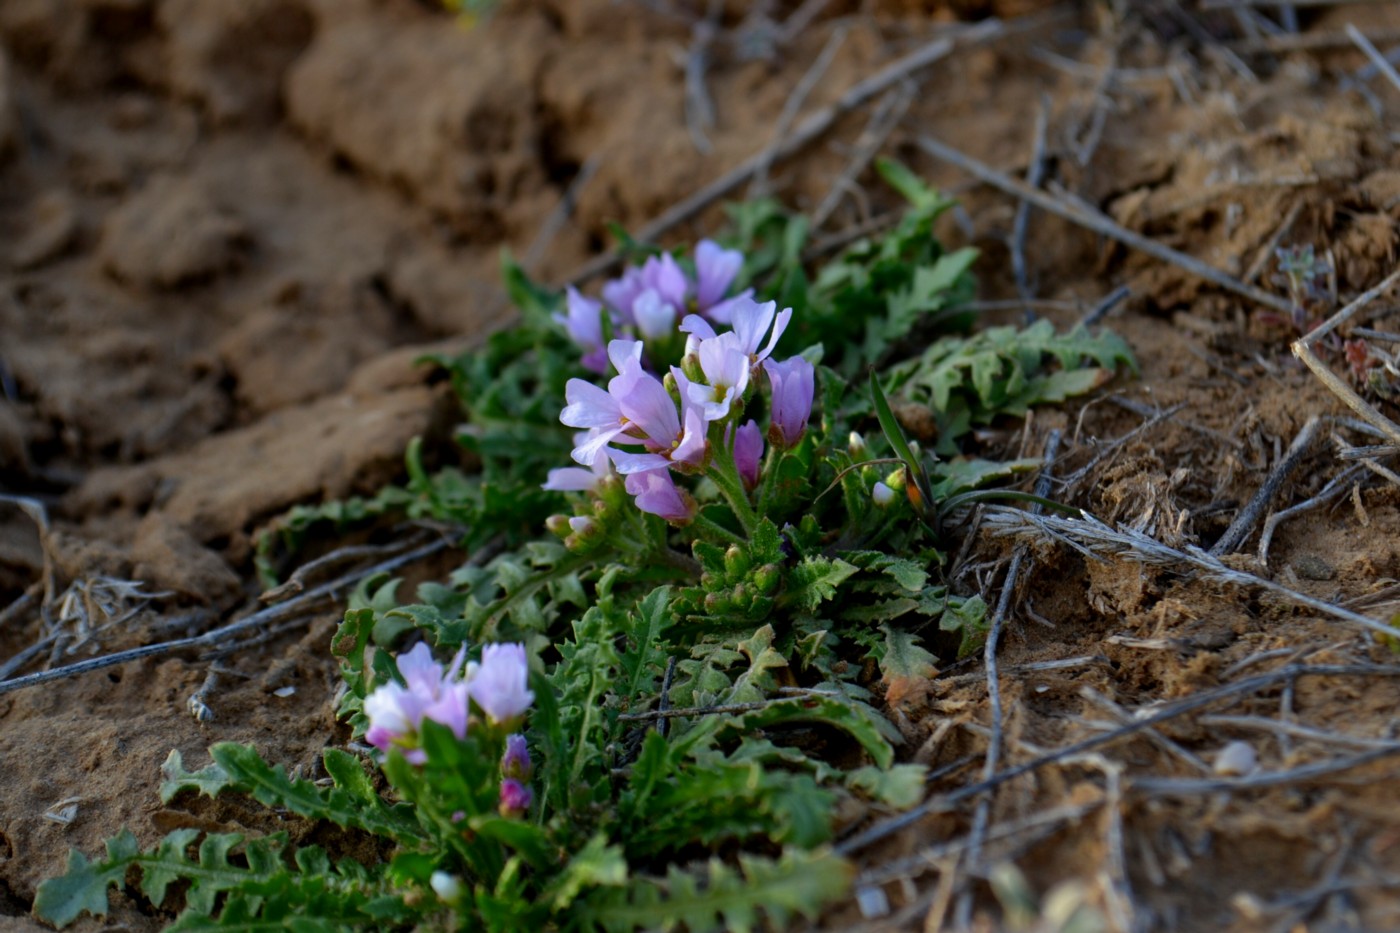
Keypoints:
(707, 526)
(770, 477)
(726, 476)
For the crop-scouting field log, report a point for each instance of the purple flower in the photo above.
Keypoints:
(585, 326)
(396, 712)
(726, 367)
(751, 322)
(652, 419)
(620, 293)
(793, 382)
(515, 799)
(655, 492)
(515, 763)
(748, 450)
(715, 269)
(664, 275)
(500, 683)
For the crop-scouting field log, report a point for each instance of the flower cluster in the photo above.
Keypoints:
(688, 419)
(494, 692)
(649, 300)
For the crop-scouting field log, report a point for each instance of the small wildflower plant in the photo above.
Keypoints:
(716, 552)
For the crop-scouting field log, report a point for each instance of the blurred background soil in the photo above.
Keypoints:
(227, 230)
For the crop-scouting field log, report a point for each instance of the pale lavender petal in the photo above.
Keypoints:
(630, 463)
(656, 493)
(779, 326)
(585, 319)
(500, 683)
(665, 275)
(723, 313)
(691, 449)
(589, 406)
(572, 479)
(656, 317)
(587, 453)
(625, 354)
(620, 293)
(751, 322)
(451, 710)
(698, 326)
(420, 672)
(715, 269)
(794, 383)
(646, 403)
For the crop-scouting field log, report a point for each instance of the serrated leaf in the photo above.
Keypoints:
(901, 786)
(82, 888)
(904, 658)
(209, 780)
(816, 579)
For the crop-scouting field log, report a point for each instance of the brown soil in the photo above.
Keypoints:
(227, 230)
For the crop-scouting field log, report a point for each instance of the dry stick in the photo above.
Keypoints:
(40, 517)
(699, 111)
(261, 617)
(1302, 348)
(25, 600)
(888, 112)
(989, 655)
(1095, 539)
(1382, 63)
(1203, 36)
(758, 187)
(1190, 787)
(1022, 223)
(806, 131)
(700, 710)
(1038, 667)
(1122, 716)
(1098, 117)
(296, 583)
(561, 213)
(1267, 250)
(1106, 304)
(1100, 224)
(1295, 730)
(1243, 525)
(1309, 41)
(943, 803)
(1334, 488)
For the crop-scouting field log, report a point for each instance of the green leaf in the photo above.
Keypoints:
(901, 786)
(816, 580)
(904, 658)
(209, 780)
(83, 887)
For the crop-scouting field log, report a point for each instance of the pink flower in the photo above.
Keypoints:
(396, 712)
(499, 685)
(726, 369)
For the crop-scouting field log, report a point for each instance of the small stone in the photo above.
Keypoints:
(1236, 759)
(284, 692)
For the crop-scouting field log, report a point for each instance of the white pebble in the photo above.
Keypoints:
(1236, 760)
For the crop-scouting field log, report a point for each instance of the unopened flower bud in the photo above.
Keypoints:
(896, 480)
(515, 799)
(516, 762)
(736, 561)
(584, 526)
(767, 578)
(882, 494)
(856, 445)
(690, 366)
(447, 887)
(558, 524)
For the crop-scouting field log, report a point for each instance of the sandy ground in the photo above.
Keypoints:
(227, 230)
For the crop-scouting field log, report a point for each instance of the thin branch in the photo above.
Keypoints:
(1184, 787)
(759, 185)
(1021, 226)
(1309, 41)
(219, 635)
(1092, 536)
(554, 223)
(1101, 224)
(1334, 488)
(888, 112)
(943, 803)
(1243, 525)
(1382, 63)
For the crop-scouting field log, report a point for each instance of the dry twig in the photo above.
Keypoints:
(1100, 224)
(1243, 525)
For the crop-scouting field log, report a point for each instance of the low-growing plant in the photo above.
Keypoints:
(643, 710)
